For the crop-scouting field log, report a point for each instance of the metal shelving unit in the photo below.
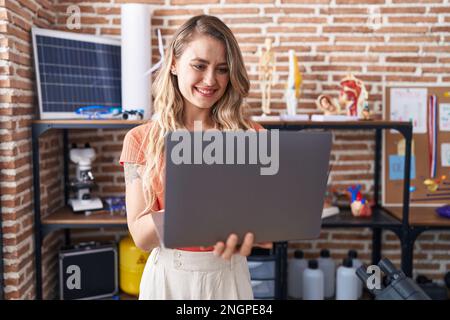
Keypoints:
(64, 220)
(381, 218)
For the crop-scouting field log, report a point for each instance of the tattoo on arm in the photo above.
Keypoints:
(131, 172)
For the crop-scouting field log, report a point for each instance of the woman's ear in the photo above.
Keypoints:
(173, 68)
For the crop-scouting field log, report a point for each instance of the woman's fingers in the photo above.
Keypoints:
(230, 246)
(226, 250)
(247, 245)
(218, 248)
(264, 245)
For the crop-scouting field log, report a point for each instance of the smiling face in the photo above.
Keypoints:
(202, 72)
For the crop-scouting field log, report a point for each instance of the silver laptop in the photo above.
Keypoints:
(216, 186)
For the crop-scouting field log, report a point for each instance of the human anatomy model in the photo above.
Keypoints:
(266, 74)
(353, 96)
(358, 205)
(352, 100)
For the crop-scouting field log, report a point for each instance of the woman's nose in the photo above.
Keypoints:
(210, 78)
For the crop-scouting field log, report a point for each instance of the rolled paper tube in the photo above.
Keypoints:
(136, 57)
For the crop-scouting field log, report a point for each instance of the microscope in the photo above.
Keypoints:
(397, 287)
(84, 183)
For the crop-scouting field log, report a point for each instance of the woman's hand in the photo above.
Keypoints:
(226, 250)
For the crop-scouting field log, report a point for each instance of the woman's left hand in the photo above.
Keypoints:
(226, 250)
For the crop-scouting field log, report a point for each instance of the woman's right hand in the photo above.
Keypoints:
(230, 247)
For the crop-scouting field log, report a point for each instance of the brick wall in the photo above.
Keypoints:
(330, 37)
(17, 109)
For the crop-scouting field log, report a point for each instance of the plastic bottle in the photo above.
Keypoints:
(131, 265)
(328, 267)
(313, 282)
(346, 281)
(353, 254)
(296, 266)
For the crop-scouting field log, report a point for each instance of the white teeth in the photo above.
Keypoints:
(207, 92)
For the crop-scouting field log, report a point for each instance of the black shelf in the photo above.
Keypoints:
(344, 219)
(381, 219)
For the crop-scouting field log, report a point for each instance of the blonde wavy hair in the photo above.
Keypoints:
(228, 113)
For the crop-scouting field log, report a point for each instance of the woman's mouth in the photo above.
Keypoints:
(207, 93)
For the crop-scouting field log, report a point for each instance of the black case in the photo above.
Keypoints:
(88, 271)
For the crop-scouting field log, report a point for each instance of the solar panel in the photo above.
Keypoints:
(75, 70)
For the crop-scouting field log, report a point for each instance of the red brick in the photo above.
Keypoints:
(338, 2)
(353, 137)
(355, 157)
(137, 1)
(176, 12)
(306, 20)
(410, 29)
(440, 29)
(394, 49)
(17, 10)
(291, 29)
(62, 8)
(444, 237)
(347, 20)
(440, 9)
(189, 2)
(306, 1)
(410, 19)
(336, 68)
(110, 31)
(411, 79)
(428, 266)
(51, 17)
(435, 246)
(416, 1)
(245, 30)
(400, 69)
(415, 39)
(403, 10)
(354, 59)
(305, 39)
(289, 10)
(81, 30)
(107, 10)
(296, 48)
(29, 4)
(340, 48)
(411, 59)
(435, 70)
(256, 20)
(346, 29)
(341, 245)
(359, 39)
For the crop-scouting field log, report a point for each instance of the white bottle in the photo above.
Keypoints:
(296, 266)
(346, 281)
(353, 254)
(313, 282)
(328, 267)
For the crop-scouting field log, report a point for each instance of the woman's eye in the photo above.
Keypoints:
(199, 66)
(223, 71)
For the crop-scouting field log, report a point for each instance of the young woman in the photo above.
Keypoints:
(203, 78)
